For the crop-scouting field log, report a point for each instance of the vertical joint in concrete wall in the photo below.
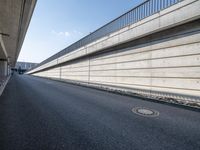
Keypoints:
(60, 75)
(89, 70)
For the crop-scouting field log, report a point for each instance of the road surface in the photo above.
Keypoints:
(41, 114)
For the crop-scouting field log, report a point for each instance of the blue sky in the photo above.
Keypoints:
(57, 24)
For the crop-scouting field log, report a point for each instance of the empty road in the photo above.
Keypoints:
(41, 114)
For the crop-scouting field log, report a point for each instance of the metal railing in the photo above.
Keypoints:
(145, 9)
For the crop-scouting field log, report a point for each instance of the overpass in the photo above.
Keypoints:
(15, 16)
(152, 50)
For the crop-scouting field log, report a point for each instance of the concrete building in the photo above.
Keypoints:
(25, 65)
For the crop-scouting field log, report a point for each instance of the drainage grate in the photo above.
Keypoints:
(145, 112)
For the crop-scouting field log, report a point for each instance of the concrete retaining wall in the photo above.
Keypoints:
(163, 62)
(169, 66)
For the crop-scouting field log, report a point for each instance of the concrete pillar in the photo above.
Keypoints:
(3, 68)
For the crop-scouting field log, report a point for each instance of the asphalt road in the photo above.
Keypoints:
(41, 114)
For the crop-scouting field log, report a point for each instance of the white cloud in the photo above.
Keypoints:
(61, 33)
(72, 34)
(67, 34)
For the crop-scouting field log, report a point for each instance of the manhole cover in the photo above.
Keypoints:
(145, 112)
